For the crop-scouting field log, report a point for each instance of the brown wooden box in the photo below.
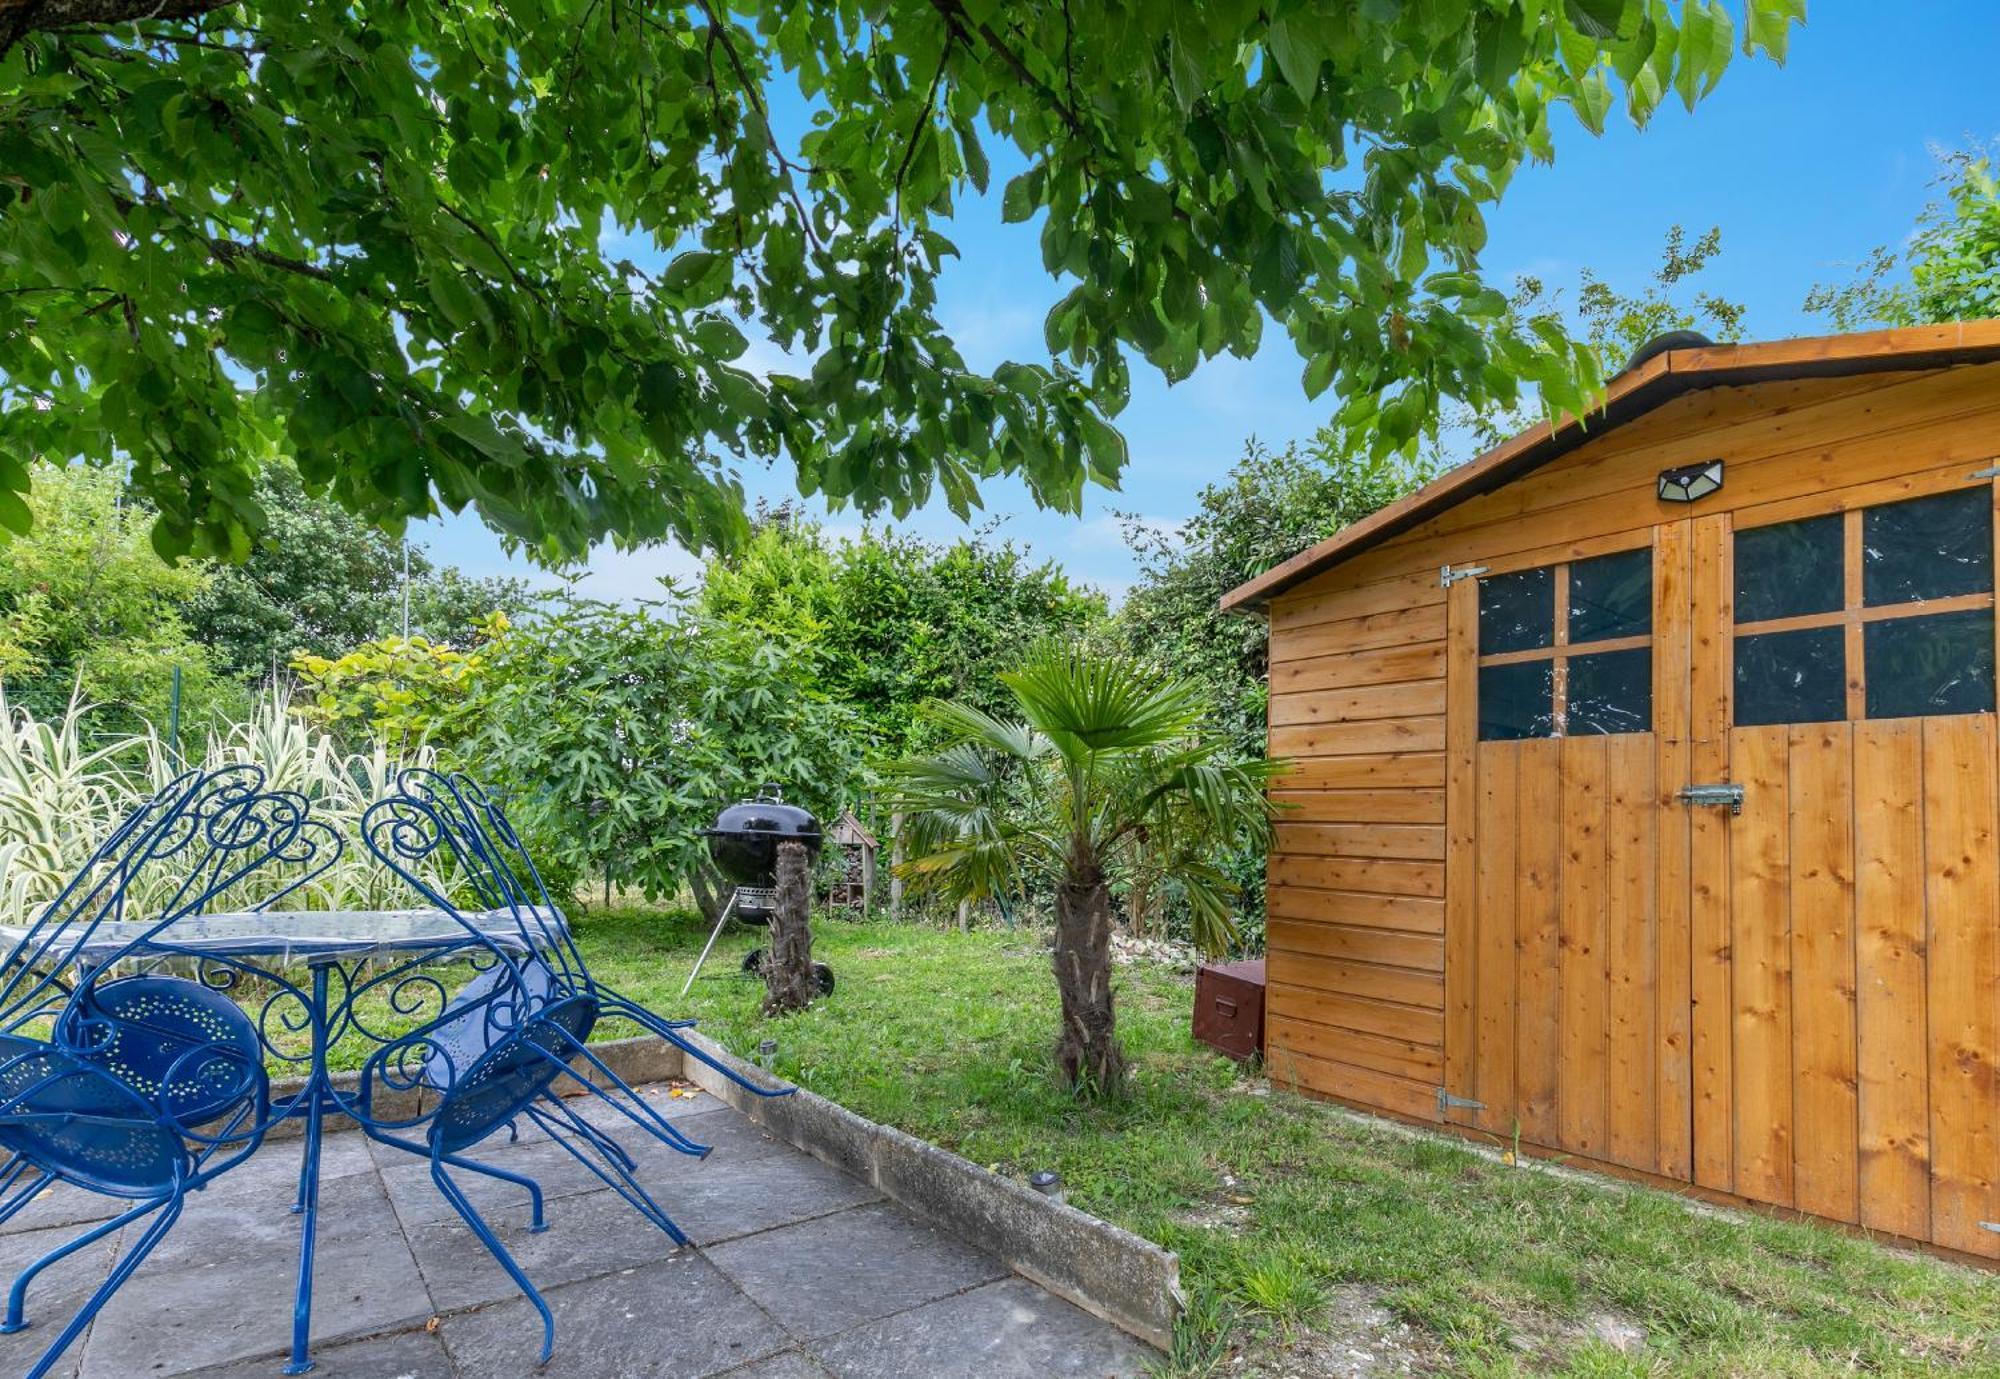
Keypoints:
(1229, 1007)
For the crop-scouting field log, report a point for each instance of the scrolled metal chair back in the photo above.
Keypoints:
(492, 860)
(419, 834)
(211, 830)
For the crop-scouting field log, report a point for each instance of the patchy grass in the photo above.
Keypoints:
(1273, 1200)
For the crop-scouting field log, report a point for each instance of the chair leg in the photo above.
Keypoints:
(461, 1204)
(14, 1205)
(619, 1179)
(17, 1296)
(605, 1144)
(132, 1259)
(536, 1224)
(622, 1007)
(644, 1116)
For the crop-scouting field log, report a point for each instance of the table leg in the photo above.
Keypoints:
(308, 1200)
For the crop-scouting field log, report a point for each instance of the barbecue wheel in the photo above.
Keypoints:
(753, 963)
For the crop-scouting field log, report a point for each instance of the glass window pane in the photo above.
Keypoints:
(1517, 611)
(1611, 692)
(1928, 548)
(1517, 701)
(1611, 596)
(1942, 663)
(1789, 568)
(1792, 677)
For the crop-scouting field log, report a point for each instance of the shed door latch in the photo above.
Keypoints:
(1731, 795)
(1447, 1102)
(1448, 576)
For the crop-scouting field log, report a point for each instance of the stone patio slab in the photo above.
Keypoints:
(824, 1276)
(676, 1319)
(589, 1234)
(1008, 1330)
(406, 1355)
(789, 1364)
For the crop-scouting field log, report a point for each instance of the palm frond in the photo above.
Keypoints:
(1097, 704)
(966, 724)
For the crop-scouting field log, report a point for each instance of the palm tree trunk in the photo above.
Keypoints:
(1088, 1052)
(788, 967)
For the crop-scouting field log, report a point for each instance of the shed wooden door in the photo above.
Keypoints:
(1567, 942)
(1846, 951)
(1798, 1003)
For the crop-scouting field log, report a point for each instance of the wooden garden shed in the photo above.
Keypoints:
(1645, 799)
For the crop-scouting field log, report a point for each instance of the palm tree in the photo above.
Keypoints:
(1104, 776)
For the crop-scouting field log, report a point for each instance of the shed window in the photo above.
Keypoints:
(1881, 612)
(1567, 649)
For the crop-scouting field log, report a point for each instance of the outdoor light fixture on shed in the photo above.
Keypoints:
(1690, 481)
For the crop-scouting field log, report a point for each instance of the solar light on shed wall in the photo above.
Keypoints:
(1690, 481)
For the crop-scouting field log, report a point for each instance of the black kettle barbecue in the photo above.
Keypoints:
(743, 843)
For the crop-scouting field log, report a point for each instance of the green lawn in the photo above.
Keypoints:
(1291, 1217)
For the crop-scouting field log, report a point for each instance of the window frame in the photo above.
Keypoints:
(1853, 614)
(1560, 649)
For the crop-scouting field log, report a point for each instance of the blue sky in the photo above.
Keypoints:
(1806, 168)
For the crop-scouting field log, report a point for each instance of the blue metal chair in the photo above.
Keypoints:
(146, 1087)
(493, 858)
(494, 1052)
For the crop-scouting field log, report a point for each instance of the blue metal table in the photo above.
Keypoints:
(335, 946)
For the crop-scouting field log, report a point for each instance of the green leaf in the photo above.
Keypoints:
(688, 269)
(1022, 197)
(1319, 373)
(1295, 44)
(1597, 19)
(1707, 39)
(1769, 26)
(15, 515)
(720, 339)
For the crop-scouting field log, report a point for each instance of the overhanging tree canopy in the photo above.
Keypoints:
(377, 230)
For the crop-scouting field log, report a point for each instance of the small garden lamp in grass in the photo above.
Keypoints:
(1106, 773)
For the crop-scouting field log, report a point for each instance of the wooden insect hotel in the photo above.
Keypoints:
(1644, 792)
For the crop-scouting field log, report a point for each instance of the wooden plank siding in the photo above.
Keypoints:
(1798, 1005)
(1356, 874)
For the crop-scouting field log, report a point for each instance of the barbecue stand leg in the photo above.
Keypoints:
(716, 933)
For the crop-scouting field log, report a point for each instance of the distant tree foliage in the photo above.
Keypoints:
(1613, 324)
(1272, 505)
(1948, 270)
(393, 236)
(321, 581)
(87, 609)
(87, 605)
(887, 621)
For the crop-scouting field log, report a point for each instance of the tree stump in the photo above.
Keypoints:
(788, 969)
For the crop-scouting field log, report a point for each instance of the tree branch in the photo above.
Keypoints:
(21, 17)
(922, 120)
(228, 251)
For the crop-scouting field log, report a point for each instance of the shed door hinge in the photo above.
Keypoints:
(1448, 1102)
(1992, 471)
(1448, 576)
(1993, 1226)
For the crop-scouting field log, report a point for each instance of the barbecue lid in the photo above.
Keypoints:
(766, 814)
